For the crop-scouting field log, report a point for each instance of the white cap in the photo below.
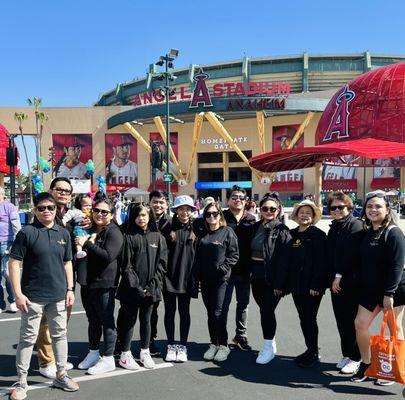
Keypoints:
(183, 201)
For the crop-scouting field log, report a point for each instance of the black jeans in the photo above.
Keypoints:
(267, 302)
(183, 304)
(345, 307)
(307, 307)
(127, 316)
(241, 284)
(154, 321)
(99, 306)
(213, 297)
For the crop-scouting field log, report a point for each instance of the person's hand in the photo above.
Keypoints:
(336, 285)
(313, 292)
(278, 292)
(86, 223)
(80, 240)
(22, 303)
(70, 298)
(388, 303)
(147, 294)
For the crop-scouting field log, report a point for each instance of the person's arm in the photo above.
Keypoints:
(15, 221)
(283, 241)
(21, 300)
(70, 295)
(231, 252)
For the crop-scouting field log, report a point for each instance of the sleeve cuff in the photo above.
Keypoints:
(338, 275)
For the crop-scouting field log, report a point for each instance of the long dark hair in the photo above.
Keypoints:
(134, 209)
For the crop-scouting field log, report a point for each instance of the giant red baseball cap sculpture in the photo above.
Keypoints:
(365, 120)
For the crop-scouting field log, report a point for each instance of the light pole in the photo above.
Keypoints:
(11, 161)
(168, 77)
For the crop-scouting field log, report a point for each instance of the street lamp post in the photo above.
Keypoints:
(11, 161)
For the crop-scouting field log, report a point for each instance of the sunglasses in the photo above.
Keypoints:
(375, 194)
(210, 214)
(334, 208)
(60, 190)
(236, 197)
(103, 213)
(41, 209)
(269, 209)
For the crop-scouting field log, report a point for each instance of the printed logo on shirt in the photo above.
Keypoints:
(217, 243)
(297, 243)
(154, 245)
(62, 242)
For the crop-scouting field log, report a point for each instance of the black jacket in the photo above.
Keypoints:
(307, 263)
(340, 240)
(217, 253)
(181, 244)
(276, 242)
(164, 224)
(143, 264)
(102, 264)
(242, 230)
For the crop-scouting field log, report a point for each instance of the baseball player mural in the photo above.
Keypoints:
(121, 157)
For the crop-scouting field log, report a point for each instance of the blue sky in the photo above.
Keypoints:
(68, 52)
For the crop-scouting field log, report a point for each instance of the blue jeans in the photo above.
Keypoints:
(4, 251)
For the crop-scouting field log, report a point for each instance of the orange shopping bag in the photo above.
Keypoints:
(387, 353)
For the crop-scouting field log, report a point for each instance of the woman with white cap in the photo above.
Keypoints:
(307, 275)
(181, 243)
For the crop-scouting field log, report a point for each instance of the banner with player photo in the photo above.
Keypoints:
(385, 168)
(282, 137)
(71, 153)
(157, 139)
(121, 155)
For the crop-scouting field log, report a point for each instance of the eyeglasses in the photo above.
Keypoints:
(238, 197)
(41, 209)
(60, 190)
(334, 208)
(103, 213)
(210, 214)
(269, 209)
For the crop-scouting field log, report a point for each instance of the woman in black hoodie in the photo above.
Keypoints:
(181, 243)
(307, 275)
(143, 264)
(217, 253)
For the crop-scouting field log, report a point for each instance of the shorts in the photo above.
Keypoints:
(371, 300)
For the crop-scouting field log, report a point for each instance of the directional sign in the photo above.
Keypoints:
(168, 177)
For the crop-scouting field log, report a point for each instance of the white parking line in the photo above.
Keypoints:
(18, 318)
(86, 378)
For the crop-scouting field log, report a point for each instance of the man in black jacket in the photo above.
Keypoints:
(241, 222)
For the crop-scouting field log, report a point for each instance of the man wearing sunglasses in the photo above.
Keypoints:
(241, 222)
(46, 288)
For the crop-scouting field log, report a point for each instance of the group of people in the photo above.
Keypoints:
(153, 257)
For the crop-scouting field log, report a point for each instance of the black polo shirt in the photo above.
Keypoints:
(43, 252)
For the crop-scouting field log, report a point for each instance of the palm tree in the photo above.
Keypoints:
(20, 117)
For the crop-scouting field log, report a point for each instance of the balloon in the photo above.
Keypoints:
(44, 165)
(38, 184)
(90, 167)
(101, 184)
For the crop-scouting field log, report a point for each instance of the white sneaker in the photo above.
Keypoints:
(210, 353)
(351, 367)
(342, 362)
(266, 354)
(49, 371)
(69, 366)
(127, 361)
(181, 354)
(146, 359)
(171, 353)
(91, 360)
(274, 346)
(222, 353)
(105, 364)
(13, 307)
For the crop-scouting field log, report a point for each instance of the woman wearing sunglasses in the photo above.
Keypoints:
(269, 264)
(381, 280)
(217, 252)
(98, 292)
(307, 275)
(344, 292)
(143, 263)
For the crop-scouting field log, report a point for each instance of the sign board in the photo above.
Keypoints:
(222, 185)
(167, 177)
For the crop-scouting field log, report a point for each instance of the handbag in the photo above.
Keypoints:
(387, 353)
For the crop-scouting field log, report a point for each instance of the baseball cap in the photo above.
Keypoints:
(120, 140)
(71, 141)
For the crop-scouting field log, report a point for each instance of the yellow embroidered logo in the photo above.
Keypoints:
(297, 243)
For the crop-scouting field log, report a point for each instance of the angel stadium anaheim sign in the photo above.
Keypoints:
(236, 95)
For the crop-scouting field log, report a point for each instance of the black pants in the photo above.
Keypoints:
(183, 305)
(99, 307)
(241, 284)
(154, 321)
(127, 316)
(267, 302)
(345, 307)
(307, 307)
(213, 297)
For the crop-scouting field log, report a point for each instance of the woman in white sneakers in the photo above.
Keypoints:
(143, 264)
(181, 243)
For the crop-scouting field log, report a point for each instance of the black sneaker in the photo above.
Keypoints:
(359, 375)
(153, 350)
(241, 342)
(309, 360)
